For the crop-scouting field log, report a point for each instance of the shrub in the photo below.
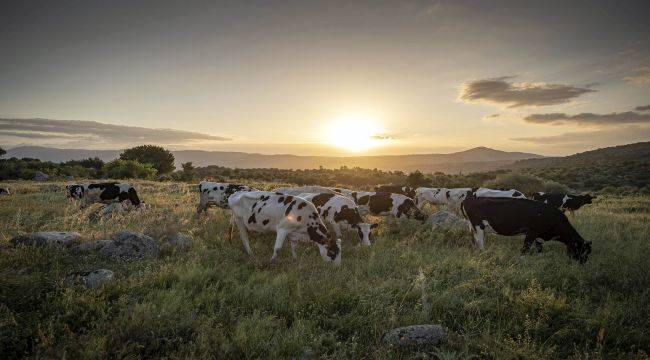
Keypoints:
(525, 183)
(160, 158)
(128, 169)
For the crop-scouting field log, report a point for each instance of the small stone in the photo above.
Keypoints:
(180, 241)
(41, 176)
(128, 245)
(60, 239)
(415, 335)
(90, 278)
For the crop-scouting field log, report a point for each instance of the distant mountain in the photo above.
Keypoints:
(624, 166)
(472, 160)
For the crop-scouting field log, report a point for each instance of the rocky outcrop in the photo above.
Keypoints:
(60, 239)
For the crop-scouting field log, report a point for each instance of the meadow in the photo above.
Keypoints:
(212, 301)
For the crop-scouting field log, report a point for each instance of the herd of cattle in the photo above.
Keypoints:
(321, 214)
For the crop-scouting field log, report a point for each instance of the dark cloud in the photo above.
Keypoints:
(501, 91)
(592, 139)
(99, 132)
(642, 108)
(493, 116)
(641, 76)
(628, 117)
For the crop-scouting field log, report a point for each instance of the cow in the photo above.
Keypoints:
(4, 191)
(305, 189)
(342, 191)
(287, 216)
(535, 220)
(564, 202)
(381, 204)
(212, 193)
(110, 192)
(74, 191)
(454, 197)
(396, 189)
(341, 213)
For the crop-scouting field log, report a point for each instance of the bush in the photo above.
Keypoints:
(128, 169)
(160, 158)
(525, 183)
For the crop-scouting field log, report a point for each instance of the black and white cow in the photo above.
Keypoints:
(535, 220)
(455, 196)
(110, 192)
(342, 191)
(305, 189)
(286, 215)
(382, 204)
(217, 194)
(564, 202)
(396, 189)
(4, 191)
(74, 191)
(341, 212)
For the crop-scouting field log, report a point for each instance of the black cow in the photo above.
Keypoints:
(396, 189)
(110, 192)
(564, 202)
(4, 191)
(535, 220)
(384, 204)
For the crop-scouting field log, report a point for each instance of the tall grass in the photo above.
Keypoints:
(211, 301)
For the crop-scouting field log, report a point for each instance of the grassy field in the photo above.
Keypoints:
(211, 301)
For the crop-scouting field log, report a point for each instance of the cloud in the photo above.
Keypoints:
(501, 91)
(384, 137)
(91, 131)
(642, 108)
(586, 119)
(493, 116)
(641, 76)
(595, 138)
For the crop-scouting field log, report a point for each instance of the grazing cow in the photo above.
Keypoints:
(396, 189)
(305, 189)
(564, 202)
(340, 212)
(287, 216)
(535, 220)
(382, 204)
(74, 191)
(454, 197)
(110, 192)
(4, 191)
(342, 191)
(212, 193)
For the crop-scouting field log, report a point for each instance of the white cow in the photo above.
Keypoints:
(213, 193)
(382, 204)
(4, 191)
(341, 213)
(304, 189)
(287, 216)
(455, 196)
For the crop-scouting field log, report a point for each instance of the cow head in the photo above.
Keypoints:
(364, 229)
(587, 198)
(579, 249)
(329, 248)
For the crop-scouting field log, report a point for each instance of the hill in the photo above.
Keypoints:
(616, 166)
(472, 160)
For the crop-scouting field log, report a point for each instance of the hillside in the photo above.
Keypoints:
(617, 166)
(472, 160)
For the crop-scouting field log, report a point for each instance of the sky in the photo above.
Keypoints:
(325, 77)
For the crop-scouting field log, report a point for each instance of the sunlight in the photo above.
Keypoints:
(354, 133)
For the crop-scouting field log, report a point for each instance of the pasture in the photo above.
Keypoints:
(211, 301)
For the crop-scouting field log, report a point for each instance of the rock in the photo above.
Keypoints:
(180, 241)
(128, 245)
(110, 209)
(448, 219)
(69, 177)
(90, 278)
(41, 176)
(415, 335)
(61, 239)
(92, 246)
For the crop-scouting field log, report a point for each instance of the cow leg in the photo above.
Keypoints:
(294, 246)
(528, 242)
(279, 241)
(243, 234)
(538, 245)
(230, 227)
(479, 236)
(337, 230)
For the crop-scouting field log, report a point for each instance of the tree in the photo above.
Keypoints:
(128, 169)
(160, 158)
(417, 179)
(188, 171)
(2, 151)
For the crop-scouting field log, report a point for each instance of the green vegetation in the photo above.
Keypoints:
(128, 169)
(211, 301)
(159, 157)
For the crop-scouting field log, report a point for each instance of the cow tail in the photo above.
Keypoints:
(462, 209)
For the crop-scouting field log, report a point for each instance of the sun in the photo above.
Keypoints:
(354, 133)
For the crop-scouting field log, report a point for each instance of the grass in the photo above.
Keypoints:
(211, 301)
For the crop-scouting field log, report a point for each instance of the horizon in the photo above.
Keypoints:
(326, 78)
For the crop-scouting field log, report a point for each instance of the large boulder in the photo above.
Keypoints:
(445, 218)
(415, 335)
(128, 245)
(41, 176)
(90, 278)
(60, 239)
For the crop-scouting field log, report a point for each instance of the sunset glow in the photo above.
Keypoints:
(354, 133)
